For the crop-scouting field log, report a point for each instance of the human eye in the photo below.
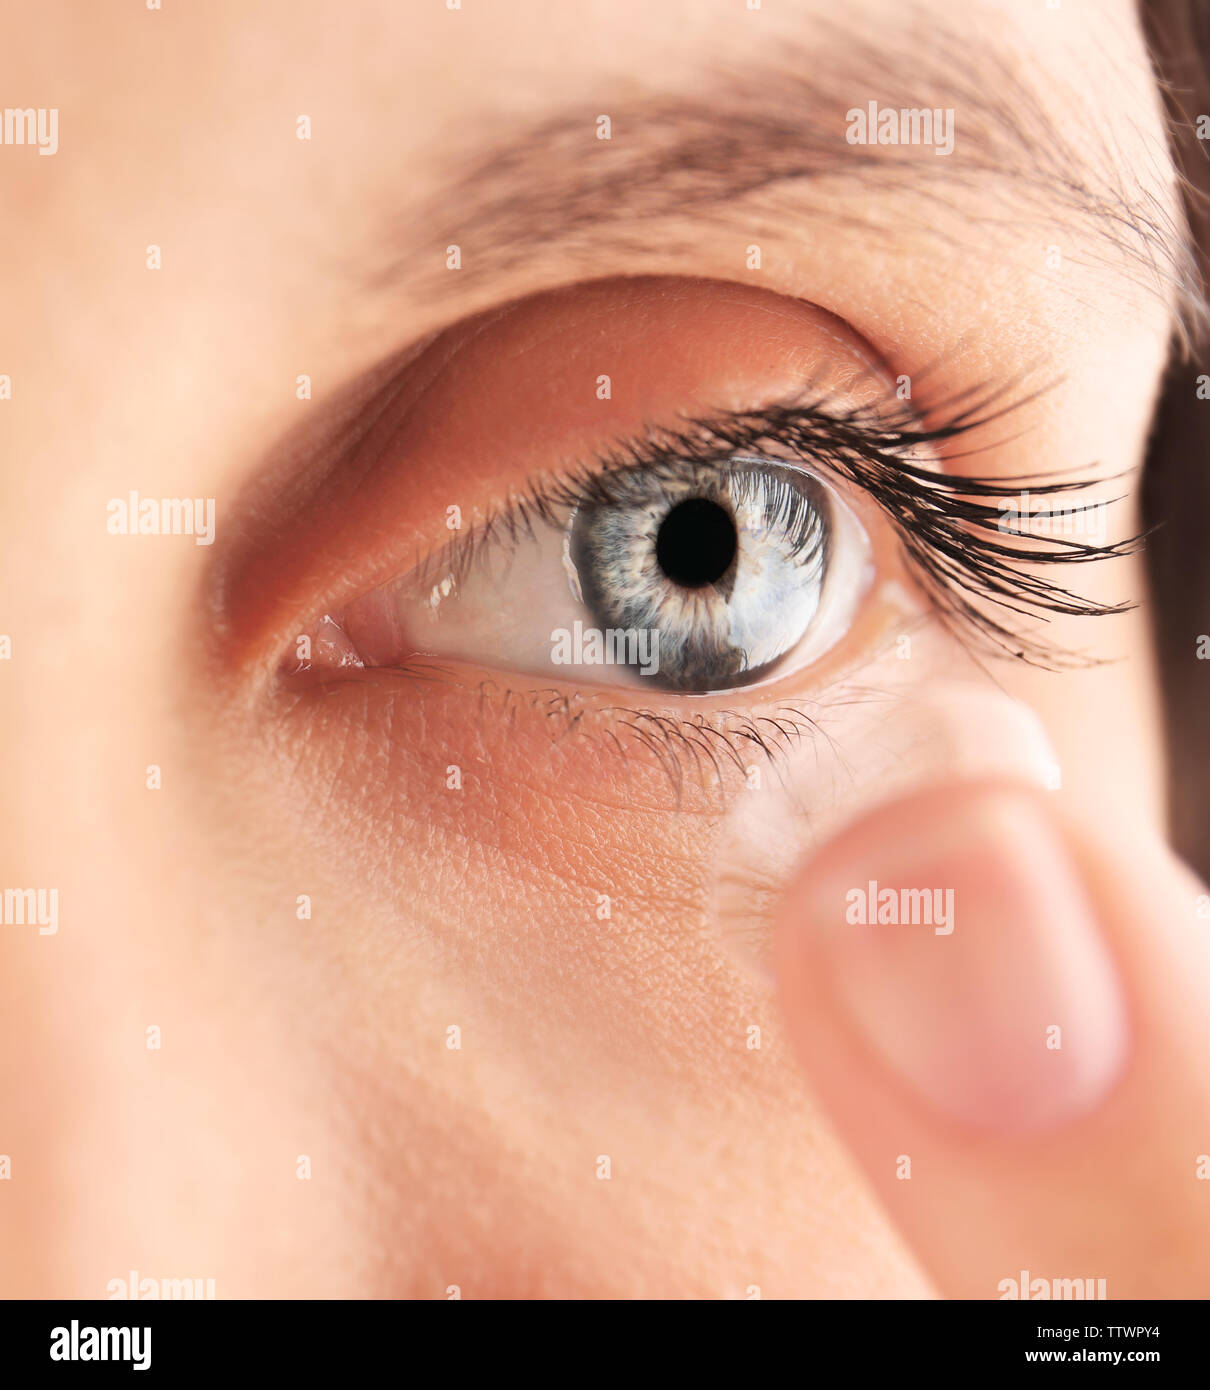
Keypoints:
(681, 573)
(754, 534)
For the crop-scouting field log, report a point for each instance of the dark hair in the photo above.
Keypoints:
(1176, 480)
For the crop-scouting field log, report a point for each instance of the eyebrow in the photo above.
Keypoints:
(553, 185)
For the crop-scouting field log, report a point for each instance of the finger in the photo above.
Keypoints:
(1025, 1078)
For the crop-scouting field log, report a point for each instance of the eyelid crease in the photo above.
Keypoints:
(947, 523)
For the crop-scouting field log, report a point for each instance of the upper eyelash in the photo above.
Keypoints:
(947, 523)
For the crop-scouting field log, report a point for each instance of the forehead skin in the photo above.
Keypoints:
(185, 136)
(283, 257)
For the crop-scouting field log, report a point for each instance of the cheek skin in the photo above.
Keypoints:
(581, 1036)
(625, 1035)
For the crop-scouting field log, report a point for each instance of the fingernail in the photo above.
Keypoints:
(959, 943)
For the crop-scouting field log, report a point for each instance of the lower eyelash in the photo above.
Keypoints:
(682, 744)
(701, 743)
(947, 523)
(728, 735)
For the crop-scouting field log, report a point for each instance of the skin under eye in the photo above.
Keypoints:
(679, 575)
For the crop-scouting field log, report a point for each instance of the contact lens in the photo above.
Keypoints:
(861, 754)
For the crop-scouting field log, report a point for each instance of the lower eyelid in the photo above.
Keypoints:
(596, 744)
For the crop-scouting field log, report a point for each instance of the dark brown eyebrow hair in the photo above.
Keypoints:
(722, 157)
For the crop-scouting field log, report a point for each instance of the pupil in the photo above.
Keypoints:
(696, 543)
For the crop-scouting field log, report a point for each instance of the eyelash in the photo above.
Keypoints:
(947, 525)
(678, 743)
